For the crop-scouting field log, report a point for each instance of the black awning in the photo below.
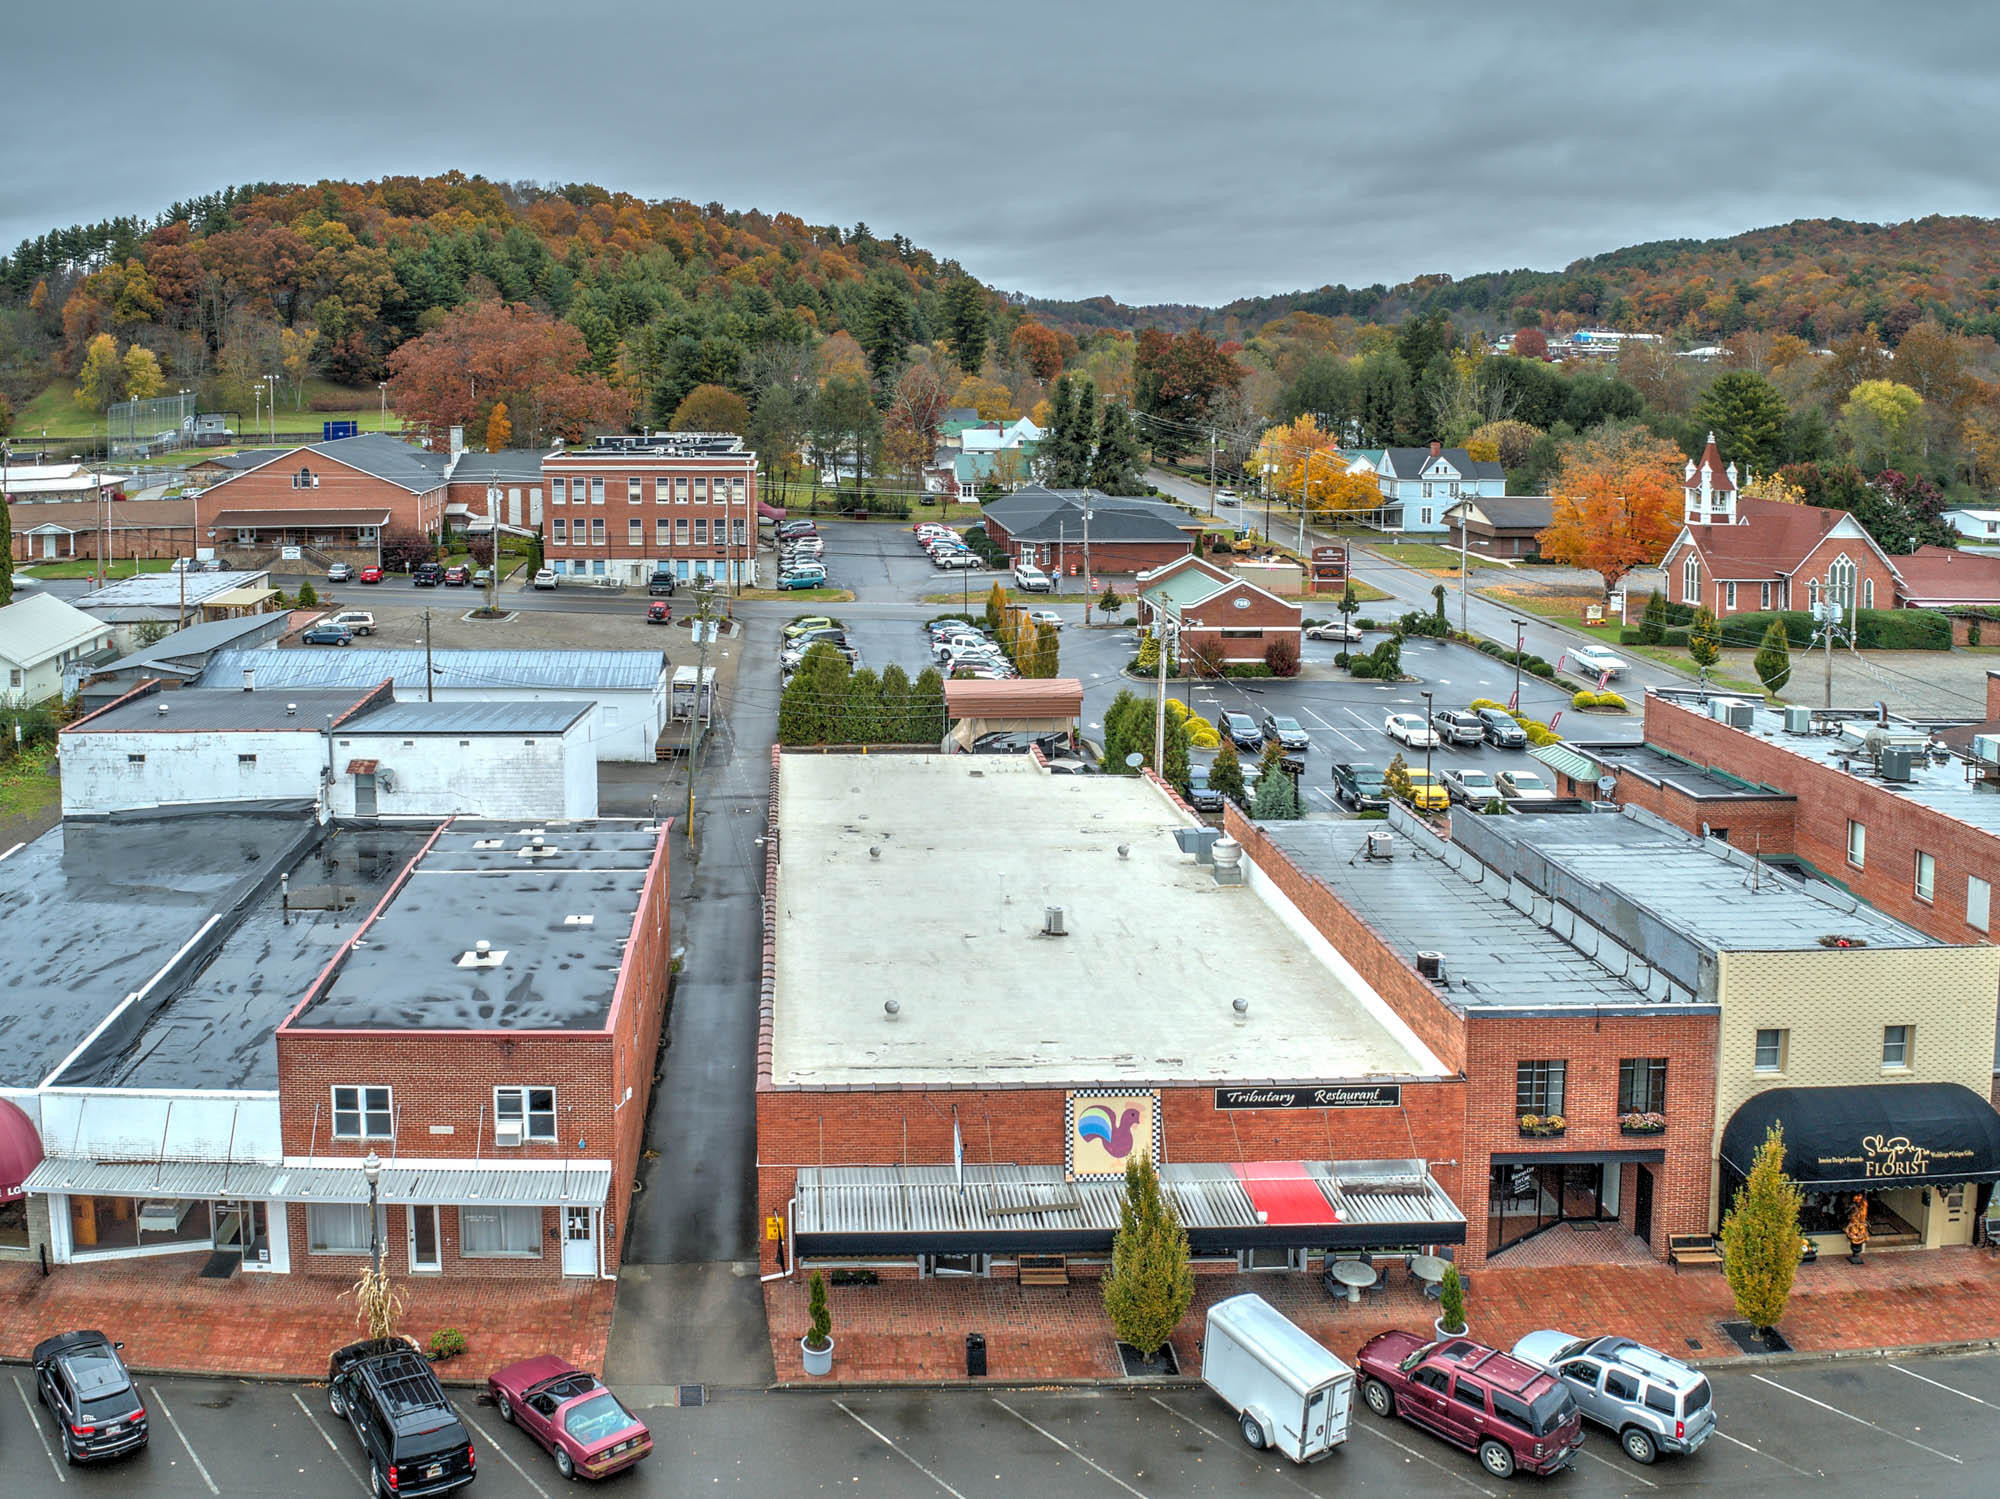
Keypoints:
(1865, 1138)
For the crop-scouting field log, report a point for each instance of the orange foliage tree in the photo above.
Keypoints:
(1617, 502)
(493, 352)
(1040, 348)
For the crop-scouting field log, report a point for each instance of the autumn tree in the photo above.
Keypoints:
(509, 352)
(1176, 383)
(143, 379)
(499, 430)
(1530, 343)
(967, 323)
(916, 418)
(1705, 637)
(1775, 488)
(1505, 442)
(1617, 502)
(844, 420)
(1761, 1242)
(993, 401)
(1882, 420)
(1747, 416)
(711, 408)
(1039, 347)
(297, 348)
(102, 378)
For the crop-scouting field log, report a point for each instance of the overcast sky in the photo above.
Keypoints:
(1159, 152)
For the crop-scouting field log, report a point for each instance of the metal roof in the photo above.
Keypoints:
(198, 640)
(214, 708)
(518, 464)
(582, 1182)
(522, 717)
(579, 671)
(38, 626)
(170, 589)
(373, 453)
(1572, 763)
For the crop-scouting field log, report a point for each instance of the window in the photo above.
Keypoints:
(737, 533)
(1857, 843)
(533, 1108)
(1465, 1392)
(635, 532)
(681, 490)
(305, 478)
(558, 491)
(1642, 1085)
(1620, 1386)
(1763, 595)
(1512, 1411)
(701, 530)
(701, 489)
(597, 530)
(1978, 902)
(1583, 1371)
(661, 490)
(362, 1114)
(1771, 1051)
(736, 491)
(1431, 1379)
(559, 532)
(1840, 582)
(1926, 876)
(500, 1232)
(1662, 1401)
(597, 491)
(246, 760)
(342, 1227)
(1691, 580)
(1427, 490)
(135, 759)
(1868, 593)
(635, 491)
(681, 531)
(1729, 595)
(1896, 1046)
(663, 531)
(1424, 515)
(1538, 1087)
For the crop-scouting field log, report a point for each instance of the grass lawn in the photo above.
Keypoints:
(56, 411)
(1423, 555)
(1550, 603)
(802, 595)
(1364, 593)
(85, 567)
(1719, 675)
(27, 790)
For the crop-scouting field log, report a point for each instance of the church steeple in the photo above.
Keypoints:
(1710, 489)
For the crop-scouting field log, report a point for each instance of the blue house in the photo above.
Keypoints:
(1420, 484)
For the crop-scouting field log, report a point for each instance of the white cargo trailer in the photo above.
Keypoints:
(1288, 1391)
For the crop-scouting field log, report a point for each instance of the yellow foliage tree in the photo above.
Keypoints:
(102, 376)
(295, 353)
(1617, 502)
(143, 379)
(993, 401)
(1773, 487)
(499, 428)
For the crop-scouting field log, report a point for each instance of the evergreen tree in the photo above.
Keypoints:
(6, 556)
(1048, 651)
(1774, 658)
(896, 706)
(1225, 773)
(927, 721)
(1151, 1284)
(1175, 771)
(1127, 727)
(1064, 459)
(888, 321)
(1761, 1243)
(967, 323)
(1705, 637)
(1277, 799)
(1653, 622)
(1114, 467)
(813, 707)
(1748, 416)
(861, 716)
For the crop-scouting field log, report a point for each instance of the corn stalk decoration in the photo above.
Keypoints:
(377, 1303)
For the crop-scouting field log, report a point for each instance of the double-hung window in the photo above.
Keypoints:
(663, 532)
(662, 490)
(635, 491)
(681, 490)
(559, 532)
(499, 1232)
(597, 491)
(701, 490)
(558, 491)
(597, 530)
(533, 1109)
(1926, 877)
(1538, 1087)
(701, 530)
(680, 531)
(635, 531)
(363, 1114)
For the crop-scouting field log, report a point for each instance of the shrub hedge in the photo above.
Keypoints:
(1874, 630)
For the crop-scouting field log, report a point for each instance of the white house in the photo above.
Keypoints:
(41, 636)
(1978, 527)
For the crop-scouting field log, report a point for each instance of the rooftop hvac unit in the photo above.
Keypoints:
(1732, 711)
(1430, 965)
(1986, 748)
(1381, 845)
(1897, 762)
(1798, 720)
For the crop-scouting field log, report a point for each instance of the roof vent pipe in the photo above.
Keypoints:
(891, 1008)
(161, 710)
(1052, 922)
(291, 710)
(482, 947)
(249, 679)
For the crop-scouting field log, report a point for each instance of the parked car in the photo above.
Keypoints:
(659, 612)
(662, 583)
(1653, 1401)
(1502, 730)
(1473, 787)
(1410, 730)
(810, 546)
(327, 633)
(212, 565)
(1515, 1416)
(788, 528)
(1240, 729)
(482, 577)
(1289, 1393)
(1595, 660)
(1459, 728)
(415, 1443)
(789, 581)
(458, 575)
(1047, 617)
(427, 575)
(1031, 579)
(1524, 786)
(371, 574)
(1427, 793)
(1359, 787)
(809, 623)
(338, 572)
(954, 559)
(1285, 730)
(1226, 497)
(360, 621)
(1201, 795)
(571, 1414)
(545, 578)
(1334, 629)
(86, 1387)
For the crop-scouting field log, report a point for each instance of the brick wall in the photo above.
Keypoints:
(339, 488)
(617, 511)
(1762, 824)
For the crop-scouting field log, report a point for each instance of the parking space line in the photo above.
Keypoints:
(1424, 1457)
(1945, 1387)
(896, 1447)
(1616, 1467)
(333, 1446)
(1243, 1452)
(493, 1445)
(199, 1467)
(1747, 1447)
(1136, 1493)
(40, 1435)
(1857, 1420)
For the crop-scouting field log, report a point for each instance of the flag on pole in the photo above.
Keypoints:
(957, 1154)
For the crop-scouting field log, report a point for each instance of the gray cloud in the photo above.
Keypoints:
(1159, 152)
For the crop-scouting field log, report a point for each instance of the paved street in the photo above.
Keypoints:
(1858, 1430)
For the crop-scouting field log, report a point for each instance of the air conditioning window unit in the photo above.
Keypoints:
(507, 1132)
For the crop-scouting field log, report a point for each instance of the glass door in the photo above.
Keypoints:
(424, 1239)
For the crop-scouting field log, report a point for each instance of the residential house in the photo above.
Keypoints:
(43, 640)
(1420, 484)
(1502, 526)
(1977, 525)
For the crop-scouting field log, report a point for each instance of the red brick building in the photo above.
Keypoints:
(625, 507)
(338, 499)
(1214, 612)
(1053, 529)
(52, 530)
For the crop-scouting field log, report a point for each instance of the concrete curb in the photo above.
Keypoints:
(1151, 1382)
(1836, 1355)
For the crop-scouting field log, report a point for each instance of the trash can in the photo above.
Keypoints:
(975, 1355)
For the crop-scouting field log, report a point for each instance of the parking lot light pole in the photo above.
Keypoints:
(371, 1168)
(1430, 737)
(1520, 638)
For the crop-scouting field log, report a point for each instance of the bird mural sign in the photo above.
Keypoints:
(1108, 1128)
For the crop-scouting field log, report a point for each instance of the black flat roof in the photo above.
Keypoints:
(493, 882)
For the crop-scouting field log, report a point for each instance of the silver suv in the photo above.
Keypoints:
(1654, 1402)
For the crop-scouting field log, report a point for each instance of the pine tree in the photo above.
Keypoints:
(926, 723)
(1225, 773)
(812, 709)
(1277, 798)
(1774, 658)
(895, 706)
(1175, 772)
(1653, 622)
(861, 715)
(1114, 467)
(967, 321)
(1705, 638)
(1761, 1243)
(1151, 1284)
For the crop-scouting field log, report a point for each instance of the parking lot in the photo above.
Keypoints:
(1850, 1430)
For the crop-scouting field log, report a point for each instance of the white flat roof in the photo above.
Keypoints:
(947, 922)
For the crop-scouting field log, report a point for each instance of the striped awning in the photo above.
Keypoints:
(583, 1183)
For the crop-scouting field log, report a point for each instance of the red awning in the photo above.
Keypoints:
(20, 1150)
(1283, 1193)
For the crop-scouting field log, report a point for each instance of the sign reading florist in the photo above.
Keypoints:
(1106, 1127)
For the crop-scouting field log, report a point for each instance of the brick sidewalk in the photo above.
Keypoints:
(915, 1330)
(284, 1326)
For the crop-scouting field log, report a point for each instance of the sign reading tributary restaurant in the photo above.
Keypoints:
(1361, 1096)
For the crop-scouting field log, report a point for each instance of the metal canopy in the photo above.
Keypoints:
(584, 1183)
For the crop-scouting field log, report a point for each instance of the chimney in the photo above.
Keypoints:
(1436, 447)
(249, 679)
(457, 441)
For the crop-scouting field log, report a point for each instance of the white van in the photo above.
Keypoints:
(1289, 1393)
(1031, 579)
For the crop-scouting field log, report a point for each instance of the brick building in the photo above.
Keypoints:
(625, 507)
(1213, 611)
(335, 501)
(53, 530)
(1052, 529)
(476, 1005)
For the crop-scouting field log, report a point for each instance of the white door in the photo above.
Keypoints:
(579, 1241)
(49, 544)
(423, 1238)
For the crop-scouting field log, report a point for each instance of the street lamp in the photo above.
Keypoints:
(1430, 737)
(1520, 631)
(371, 1168)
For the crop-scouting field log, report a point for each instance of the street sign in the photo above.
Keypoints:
(774, 1227)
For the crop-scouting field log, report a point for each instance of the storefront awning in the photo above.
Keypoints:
(1867, 1138)
(20, 1150)
(585, 1183)
(884, 1210)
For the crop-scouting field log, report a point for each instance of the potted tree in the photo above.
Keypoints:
(1857, 1228)
(1451, 1304)
(816, 1347)
(1761, 1242)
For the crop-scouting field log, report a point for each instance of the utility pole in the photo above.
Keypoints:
(1462, 627)
(1430, 737)
(430, 679)
(1520, 634)
(704, 600)
(1211, 473)
(1089, 584)
(1160, 705)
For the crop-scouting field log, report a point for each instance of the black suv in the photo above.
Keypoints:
(427, 575)
(82, 1380)
(1502, 732)
(661, 584)
(415, 1442)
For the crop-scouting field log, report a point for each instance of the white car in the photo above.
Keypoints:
(1596, 660)
(1334, 629)
(1411, 730)
(545, 578)
(1225, 497)
(1047, 617)
(1524, 786)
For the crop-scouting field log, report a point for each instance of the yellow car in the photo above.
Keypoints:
(1427, 793)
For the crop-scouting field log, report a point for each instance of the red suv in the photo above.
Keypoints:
(1512, 1414)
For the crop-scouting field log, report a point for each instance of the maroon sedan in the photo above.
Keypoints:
(1512, 1414)
(572, 1414)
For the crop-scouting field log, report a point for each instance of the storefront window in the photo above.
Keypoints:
(497, 1232)
(1523, 1199)
(98, 1224)
(14, 1224)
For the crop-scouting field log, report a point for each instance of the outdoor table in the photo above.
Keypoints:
(1428, 1268)
(1354, 1275)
